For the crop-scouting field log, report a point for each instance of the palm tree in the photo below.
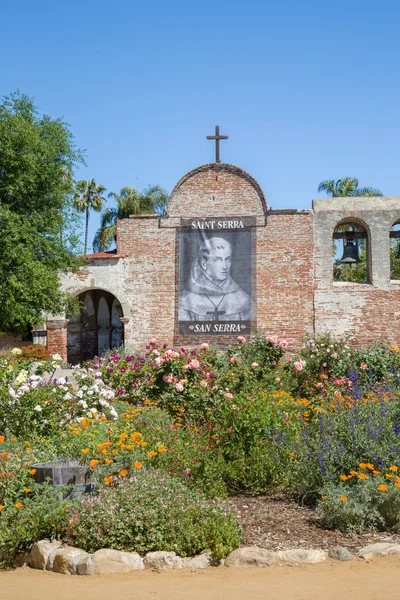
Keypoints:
(153, 199)
(88, 194)
(348, 186)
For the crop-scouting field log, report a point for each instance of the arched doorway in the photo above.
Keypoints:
(97, 328)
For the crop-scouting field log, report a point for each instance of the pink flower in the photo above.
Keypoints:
(204, 346)
(272, 339)
(156, 353)
(319, 386)
(299, 365)
(179, 387)
(157, 361)
(284, 344)
(185, 367)
(167, 378)
(241, 339)
(363, 366)
(254, 365)
(228, 395)
(153, 341)
(231, 360)
(194, 363)
(203, 382)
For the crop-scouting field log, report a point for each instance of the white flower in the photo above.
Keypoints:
(21, 377)
(93, 410)
(82, 403)
(61, 381)
(16, 351)
(57, 357)
(67, 396)
(38, 408)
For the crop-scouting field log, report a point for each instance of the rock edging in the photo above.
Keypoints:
(56, 557)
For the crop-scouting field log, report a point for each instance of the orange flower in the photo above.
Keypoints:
(13, 439)
(382, 488)
(370, 466)
(108, 479)
(85, 450)
(343, 498)
(394, 469)
(108, 461)
(27, 443)
(152, 453)
(1, 506)
(18, 505)
(376, 472)
(65, 506)
(362, 476)
(123, 473)
(123, 436)
(362, 466)
(162, 449)
(2, 438)
(27, 490)
(344, 477)
(137, 464)
(94, 462)
(388, 476)
(32, 471)
(353, 473)
(394, 348)
(397, 484)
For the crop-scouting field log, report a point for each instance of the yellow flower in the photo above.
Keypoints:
(343, 498)
(32, 471)
(382, 488)
(27, 490)
(18, 505)
(393, 468)
(162, 449)
(388, 476)
(137, 464)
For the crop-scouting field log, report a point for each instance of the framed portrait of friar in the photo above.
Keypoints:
(217, 276)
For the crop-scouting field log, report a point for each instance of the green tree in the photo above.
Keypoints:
(37, 155)
(348, 186)
(129, 201)
(88, 195)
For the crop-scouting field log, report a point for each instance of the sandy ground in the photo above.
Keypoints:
(332, 580)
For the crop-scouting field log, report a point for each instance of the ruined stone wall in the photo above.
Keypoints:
(365, 311)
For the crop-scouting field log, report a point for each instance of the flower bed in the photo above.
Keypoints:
(249, 420)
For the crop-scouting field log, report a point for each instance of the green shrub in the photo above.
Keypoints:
(152, 511)
(362, 501)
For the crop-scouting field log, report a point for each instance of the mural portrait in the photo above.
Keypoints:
(216, 276)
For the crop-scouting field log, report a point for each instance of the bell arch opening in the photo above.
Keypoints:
(97, 328)
(351, 252)
(394, 239)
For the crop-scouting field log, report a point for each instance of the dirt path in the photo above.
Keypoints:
(329, 581)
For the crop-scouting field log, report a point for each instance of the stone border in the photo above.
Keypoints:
(59, 558)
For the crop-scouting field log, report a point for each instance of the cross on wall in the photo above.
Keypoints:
(217, 137)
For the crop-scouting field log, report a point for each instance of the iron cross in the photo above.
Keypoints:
(217, 137)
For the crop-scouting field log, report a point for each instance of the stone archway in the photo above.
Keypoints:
(97, 328)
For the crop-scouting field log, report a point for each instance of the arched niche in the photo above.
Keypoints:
(351, 252)
(394, 239)
(96, 327)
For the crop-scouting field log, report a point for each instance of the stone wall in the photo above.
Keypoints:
(296, 294)
(365, 311)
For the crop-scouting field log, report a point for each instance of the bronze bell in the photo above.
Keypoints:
(350, 253)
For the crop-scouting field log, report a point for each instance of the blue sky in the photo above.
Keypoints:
(306, 89)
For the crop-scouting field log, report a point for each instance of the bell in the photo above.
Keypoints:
(350, 253)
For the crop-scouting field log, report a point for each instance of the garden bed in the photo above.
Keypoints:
(276, 523)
